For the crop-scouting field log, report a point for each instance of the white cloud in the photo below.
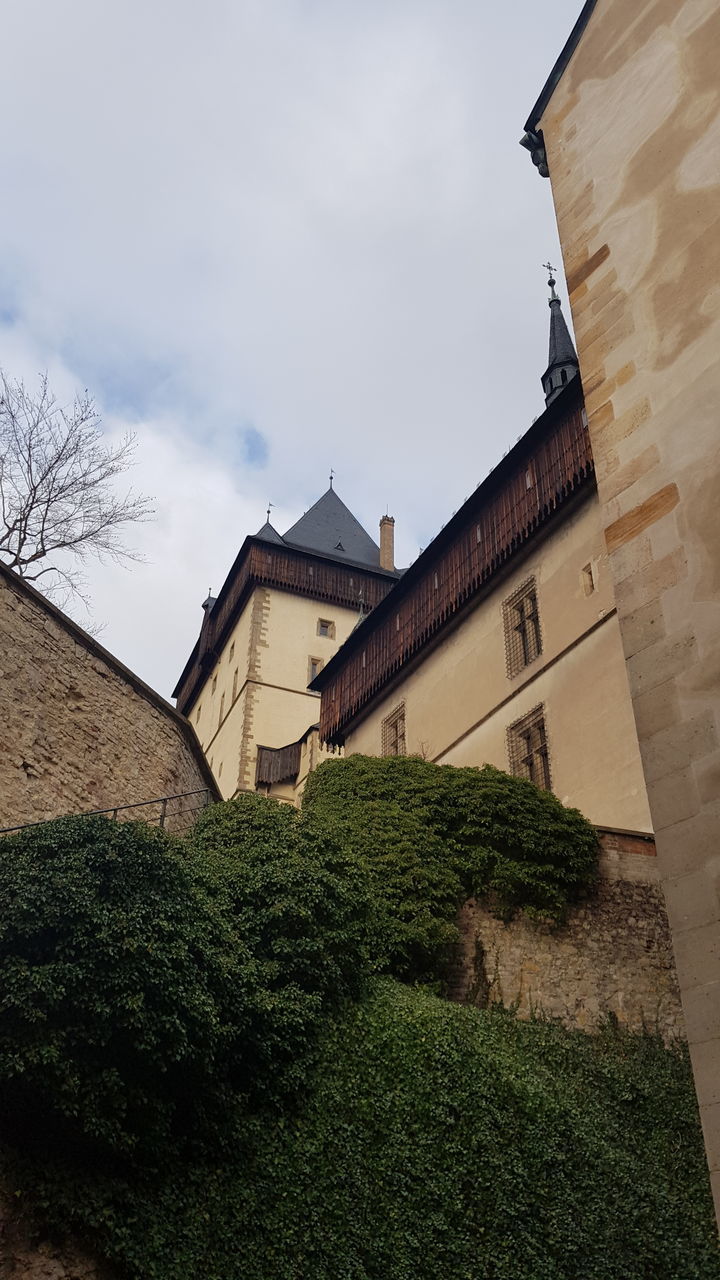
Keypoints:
(306, 219)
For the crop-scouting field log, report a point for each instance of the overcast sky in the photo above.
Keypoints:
(271, 238)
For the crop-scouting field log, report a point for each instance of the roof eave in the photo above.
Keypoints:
(447, 533)
(558, 70)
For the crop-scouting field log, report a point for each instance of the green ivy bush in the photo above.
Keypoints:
(120, 988)
(301, 909)
(432, 836)
(151, 991)
(433, 1141)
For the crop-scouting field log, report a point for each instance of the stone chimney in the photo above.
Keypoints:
(387, 542)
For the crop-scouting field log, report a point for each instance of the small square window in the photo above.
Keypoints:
(392, 739)
(315, 666)
(528, 750)
(326, 628)
(523, 639)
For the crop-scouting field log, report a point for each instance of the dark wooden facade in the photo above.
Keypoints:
(266, 564)
(540, 475)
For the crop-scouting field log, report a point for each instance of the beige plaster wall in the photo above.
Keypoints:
(459, 700)
(271, 645)
(633, 141)
(77, 730)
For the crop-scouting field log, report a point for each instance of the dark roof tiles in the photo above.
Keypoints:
(330, 528)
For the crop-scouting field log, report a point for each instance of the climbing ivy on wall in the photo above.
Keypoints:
(431, 836)
(202, 1074)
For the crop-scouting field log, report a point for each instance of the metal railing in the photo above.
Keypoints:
(172, 813)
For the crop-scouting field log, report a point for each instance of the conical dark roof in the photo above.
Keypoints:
(561, 349)
(268, 534)
(562, 358)
(330, 528)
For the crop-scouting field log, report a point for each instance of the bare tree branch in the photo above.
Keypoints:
(58, 489)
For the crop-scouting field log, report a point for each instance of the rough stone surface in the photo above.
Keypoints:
(613, 956)
(23, 1257)
(78, 731)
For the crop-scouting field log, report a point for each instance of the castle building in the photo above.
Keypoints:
(627, 129)
(287, 605)
(501, 643)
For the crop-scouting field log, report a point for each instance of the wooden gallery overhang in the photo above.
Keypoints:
(260, 563)
(540, 476)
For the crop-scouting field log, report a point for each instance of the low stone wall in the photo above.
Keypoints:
(78, 730)
(612, 956)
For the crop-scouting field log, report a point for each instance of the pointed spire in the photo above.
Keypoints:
(562, 358)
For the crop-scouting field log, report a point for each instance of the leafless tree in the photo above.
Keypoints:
(59, 501)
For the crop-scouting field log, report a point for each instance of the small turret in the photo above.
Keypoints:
(562, 358)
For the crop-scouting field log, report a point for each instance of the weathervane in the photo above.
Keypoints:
(551, 279)
(270, 506)
(332, 473)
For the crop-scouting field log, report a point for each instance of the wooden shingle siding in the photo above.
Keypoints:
(267, 565)
(495, 523)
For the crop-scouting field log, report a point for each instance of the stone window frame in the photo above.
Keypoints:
(315, 666)
(326, 628)
(528, 750)
(393, 739)
(521, 626)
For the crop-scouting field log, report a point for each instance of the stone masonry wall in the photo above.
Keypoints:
(632, 134)
(613, 956)
(79, 731)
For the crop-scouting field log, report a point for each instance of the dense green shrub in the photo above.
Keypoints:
(120, 988)
(436, 1141)
(301, 909)
(151, 991)
(187, 1083)
(432, 836)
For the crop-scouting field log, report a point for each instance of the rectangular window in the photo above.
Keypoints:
(222, 710)
(197, 714)
(231, 654)
(235, 680)
(528, 750)
(587, 579)
(315, 666)
(392, 733)
(523, 640)
(214, 684)
(326, 628)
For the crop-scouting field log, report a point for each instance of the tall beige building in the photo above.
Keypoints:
(285, 608)
(628, 129)
(501, 643)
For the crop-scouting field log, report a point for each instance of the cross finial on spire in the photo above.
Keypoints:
(332, 473)
(270, 506)
(551, 279)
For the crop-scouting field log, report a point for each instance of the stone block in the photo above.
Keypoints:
(710, 1121)
(692, 844)
(656, 710)
(672, 799)
(647, 581)
(642, 627)
(670, 656)
(702, 1012)
(690, 900)
(697, 955)
(677, 746)
(705, 1058)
